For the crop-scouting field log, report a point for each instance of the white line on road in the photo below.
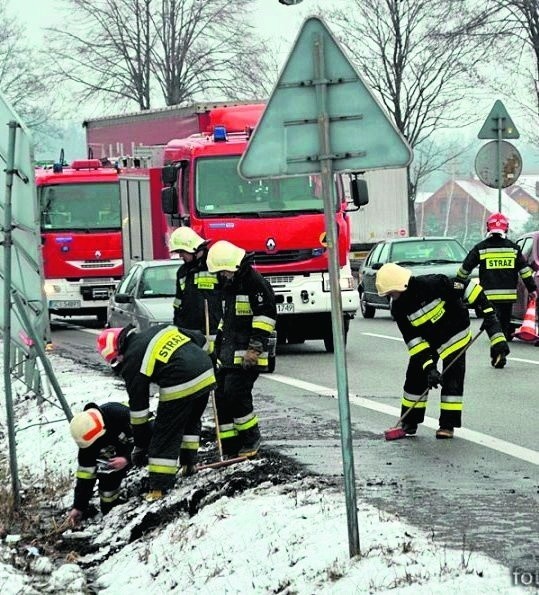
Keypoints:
(508, 448)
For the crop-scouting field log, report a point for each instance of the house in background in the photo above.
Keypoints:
(460, 209)
(526, 192)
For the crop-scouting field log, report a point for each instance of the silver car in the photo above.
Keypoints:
(145, 294)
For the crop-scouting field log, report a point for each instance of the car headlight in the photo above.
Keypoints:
(51, 289)
(346, 283)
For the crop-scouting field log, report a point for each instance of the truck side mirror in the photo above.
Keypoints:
(169, 175)
(360, 192)
(169, 200)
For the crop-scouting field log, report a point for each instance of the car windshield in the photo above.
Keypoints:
(159, 281)
(427, 251)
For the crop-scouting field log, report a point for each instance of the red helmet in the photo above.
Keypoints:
(108, 344)
(497, 223)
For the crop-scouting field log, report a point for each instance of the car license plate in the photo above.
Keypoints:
(57, 304)
(285, 308)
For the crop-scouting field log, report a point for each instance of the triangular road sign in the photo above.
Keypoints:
(286, 141)
(491, 126)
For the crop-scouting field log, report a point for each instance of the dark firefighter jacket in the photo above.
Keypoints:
(169, 357)
(195, 285)
(433, 317)
(249, 317)
(500, 262)
(117, 441)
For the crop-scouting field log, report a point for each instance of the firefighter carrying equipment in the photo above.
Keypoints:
(224, 256)
(86, 427)
(392, 277)
(186, 240)
(498, 223)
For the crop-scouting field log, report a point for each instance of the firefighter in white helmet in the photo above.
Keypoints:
(175, 360)
(500, 264)
(432, 314)
(249, 318)
(105, 440)
(195, 285)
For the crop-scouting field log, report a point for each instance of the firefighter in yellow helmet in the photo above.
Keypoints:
(105, 440)
(432, 314)
(195, 285)
(249, 317)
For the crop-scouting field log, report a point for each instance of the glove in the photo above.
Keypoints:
(500, 348)
(250, 359)
(74, 517)
(434, 378)
(532, 295)
(139, 456)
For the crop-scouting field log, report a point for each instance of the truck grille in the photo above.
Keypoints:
(283, 256)
(282, 280)
(97, 264)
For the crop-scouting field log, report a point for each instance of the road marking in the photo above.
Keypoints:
(508, 448)
(382, 336)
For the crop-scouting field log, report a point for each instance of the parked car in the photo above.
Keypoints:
(529, 244)
(423, 256)
(145, 294)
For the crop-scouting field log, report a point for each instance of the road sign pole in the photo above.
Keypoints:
(328, 192)
(499, 161)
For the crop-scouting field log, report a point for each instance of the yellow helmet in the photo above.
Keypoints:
(224, 256)
(185, 239)
(86, 427)
(392, 277)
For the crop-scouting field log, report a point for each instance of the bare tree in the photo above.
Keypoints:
(416, 65)
(144, 50)
(23, 76)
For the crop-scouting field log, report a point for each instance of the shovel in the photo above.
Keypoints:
(397, 432)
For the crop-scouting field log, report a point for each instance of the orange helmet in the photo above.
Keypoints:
(108, 344)
(497, 223)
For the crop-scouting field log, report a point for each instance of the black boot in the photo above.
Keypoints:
(250, 442)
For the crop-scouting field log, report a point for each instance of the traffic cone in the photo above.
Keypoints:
(528, 330)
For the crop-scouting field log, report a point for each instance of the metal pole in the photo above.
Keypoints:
(499, 162)
(38, 344)
(328, 192)
(10, 161)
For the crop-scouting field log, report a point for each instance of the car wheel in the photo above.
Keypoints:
(328, 341)
(366, 310)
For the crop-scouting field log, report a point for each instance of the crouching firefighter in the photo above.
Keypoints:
(103, 435)
(432, 314)
(249, 315)
(174, 360)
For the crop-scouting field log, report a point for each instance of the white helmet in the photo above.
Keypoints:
(224, 256)
(86, 427)
(392, 277)
(185, 239)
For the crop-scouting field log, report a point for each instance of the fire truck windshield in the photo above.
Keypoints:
(80, 206)
(221, 191)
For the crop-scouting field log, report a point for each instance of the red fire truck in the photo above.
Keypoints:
(281, 221)
(81, 236)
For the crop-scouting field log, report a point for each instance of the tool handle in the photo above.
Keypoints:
(212, 393)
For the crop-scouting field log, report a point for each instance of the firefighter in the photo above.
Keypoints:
(432, 315)
(105, 440)
(500, 263)
(174, 360)
(249, 316)
(195, 285)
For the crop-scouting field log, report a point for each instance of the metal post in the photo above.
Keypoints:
(328, 192)
(499, 162)
(10, 161)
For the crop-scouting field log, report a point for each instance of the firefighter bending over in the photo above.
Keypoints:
(500, 263)
(103, 435)
(432, 315)
(249, 315)
(175, 361)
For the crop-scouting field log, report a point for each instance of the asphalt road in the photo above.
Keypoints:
(478, 492)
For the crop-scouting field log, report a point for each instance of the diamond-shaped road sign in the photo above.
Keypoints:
(498, 119)
(286, 141)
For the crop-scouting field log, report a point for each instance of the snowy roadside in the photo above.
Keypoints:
(246, 529)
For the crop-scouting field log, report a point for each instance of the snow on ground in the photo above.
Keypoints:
(285, 538)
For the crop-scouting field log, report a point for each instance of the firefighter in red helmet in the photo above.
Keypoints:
(500, 263)
(176, 361)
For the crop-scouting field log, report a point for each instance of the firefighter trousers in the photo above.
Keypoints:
(503, 312)
(452, 391)
(238, 424)
(176, 433)
(109, 488)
